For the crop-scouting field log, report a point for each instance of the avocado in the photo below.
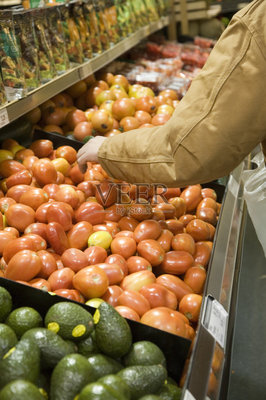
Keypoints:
(97, 391)
(69, 377)
(21, 362)
(8, 339)
(113, 334)
(43, 383)
(170, 392)
(114, 382)
(87, 347)
(69, 320)
(22, 319)
(5, 304)
(21, 390)
(72, 346)
(144, 353)
(143, 380)
(150, 397)
(52, 347)
(103, 365)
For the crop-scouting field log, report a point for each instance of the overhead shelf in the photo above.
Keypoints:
(15, 109)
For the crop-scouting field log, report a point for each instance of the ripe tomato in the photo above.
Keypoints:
(5, 238)
(184, 242)
(127, 224)
(125, 246)
(162, 318)
(74, 259)
(91, 282)
(56, 237)
(174, 226)
(136, 264)
(111, 295)
(29, 161)
(44, 172)
(22, 243)
(10, 167)
(114, 272)
(67, 194)
(79, 234)
(58, 212)
(152, 251)
(76, 175)
(165, 239)
(95, 255)
(149, 229)
(67, 152)
(179, 204)
(207, 215)
(128, 313)
(38, 241)
(198, 229)
(41, 212)
(19, 178)
(202, 253)
(91, 212)
(159, 296)
(48, 264)
(175, 285)
(5, 202)
(14, 231)
(34, 197)
(38, 228)
(195, 277)
(42, 148)
(186, 218)
(61, 279)
(190, 306)
(15, 192)
(208, 192)
(177, 262)
(40, 283)
(22, 154)
(71, 294)
(24, 266)
(20, 216)
(192, 196)
(140, 210)
(168, 210)
(137, 280)
(119, 260)
(125, 233)
(134, 300)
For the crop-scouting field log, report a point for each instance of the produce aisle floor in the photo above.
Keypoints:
(248, 365)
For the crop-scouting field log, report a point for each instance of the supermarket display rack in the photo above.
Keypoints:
(15, 109)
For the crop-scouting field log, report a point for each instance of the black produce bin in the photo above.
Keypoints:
(175, 348)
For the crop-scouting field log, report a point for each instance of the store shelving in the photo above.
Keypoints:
(15, 109)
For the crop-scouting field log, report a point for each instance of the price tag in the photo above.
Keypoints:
(215, 320)
(188, 395)
(4, 120)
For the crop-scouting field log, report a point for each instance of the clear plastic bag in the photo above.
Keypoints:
(255, 197)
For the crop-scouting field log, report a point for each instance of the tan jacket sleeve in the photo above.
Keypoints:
(218, 122)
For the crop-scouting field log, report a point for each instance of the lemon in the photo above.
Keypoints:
(16, 148)
(6, 155)
(100, 238)
(95, 302)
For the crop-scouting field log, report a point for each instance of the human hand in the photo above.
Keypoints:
(89, 152)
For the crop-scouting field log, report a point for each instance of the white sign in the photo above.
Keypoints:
(4, 120)
(215, 321)
(188, 395)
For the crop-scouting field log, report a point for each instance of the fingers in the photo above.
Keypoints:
(89, 152)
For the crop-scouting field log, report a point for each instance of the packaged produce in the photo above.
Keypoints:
(3, 98)
(92, 24)
(26, 37)
(121, 18)
(102, 24)
(111, 17)
(10, 59)
(45, 54)
(72, 37)
(151, 10)
(83, 28)
(56, 33)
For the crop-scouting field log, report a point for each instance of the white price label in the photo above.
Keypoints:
(188, 395)
(215, 321)
(4, 120)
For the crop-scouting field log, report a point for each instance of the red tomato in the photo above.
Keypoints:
(190, 306)
(56, 237)
(207, 192)
(40, 283)
(29, 161)
(44, 172)
(48, 264)
(22, 243)
(127, 224)
(67, 194)
(212, 231)
(24, 266)
(79, 234)
(12, 230)
(177, 262)
(91, 282)
(175, 285)
(5, 238)
(88, 188)
(162, 318)
(91, 212)
(20, 178)
(15, 192)
(114, 272)
(67, 152)
(38, 228)
(106, 193)
(192, 196)
(70, 294)
(95, 255)
(137, 280)
(186, 218)
(198, 229)
(111, 295)
(184, 242)
(76, 175)
(58, 212)
(207, 202)
(61, 279)
(149, 229)
(134, 300)
(41, 212)
(125, 233)
(202, 253)
(38, 241)
(10, 167)
(125, 246)
(42, 148)
(195, 277)
(34, 197)
(165, 239)
(136, 264)
(119, 260)
(74, 259)
(152, 251)
(22, 154)
(168, 210)
(207, 215)
(140, 210)
(159, 296)
(5, 203)
(20, 216)
(128, 313)
(115, 212)
(179, 204)
(175, 226)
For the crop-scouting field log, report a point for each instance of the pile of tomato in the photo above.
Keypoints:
(64, 232)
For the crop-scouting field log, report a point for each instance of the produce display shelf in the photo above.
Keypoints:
(15, 109)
